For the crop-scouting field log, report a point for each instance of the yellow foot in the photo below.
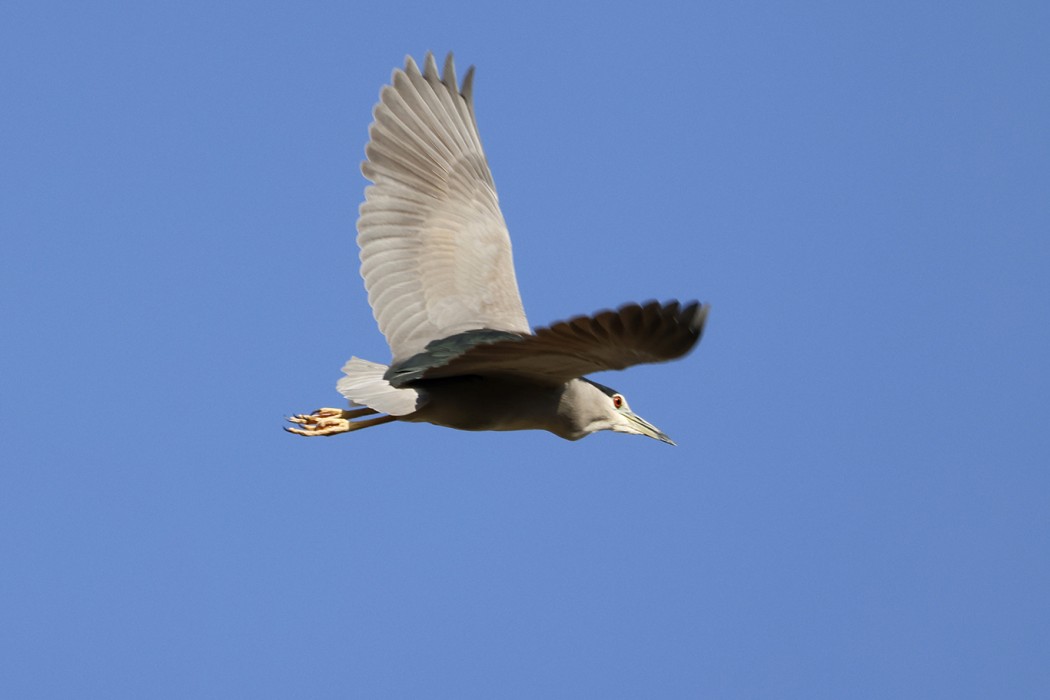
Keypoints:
(332, 421)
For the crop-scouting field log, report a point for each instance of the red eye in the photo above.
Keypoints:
(617, 401)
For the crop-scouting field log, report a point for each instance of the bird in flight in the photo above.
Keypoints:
(436, 261)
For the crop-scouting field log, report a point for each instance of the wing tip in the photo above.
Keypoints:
(446, 76)
(700, 320)
(430, 69)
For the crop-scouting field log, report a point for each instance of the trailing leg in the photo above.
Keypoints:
(332, 421)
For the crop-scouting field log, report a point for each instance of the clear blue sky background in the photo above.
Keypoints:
(860, 502)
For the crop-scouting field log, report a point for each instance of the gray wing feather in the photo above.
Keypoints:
(435, 251)
(633, 334)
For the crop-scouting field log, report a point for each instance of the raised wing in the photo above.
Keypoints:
(633, 334)
(435, 252)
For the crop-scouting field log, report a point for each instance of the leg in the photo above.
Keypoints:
(332, 421)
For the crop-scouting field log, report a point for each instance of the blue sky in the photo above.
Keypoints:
(860, 499)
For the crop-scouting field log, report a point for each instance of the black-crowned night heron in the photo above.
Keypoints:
(436, 260)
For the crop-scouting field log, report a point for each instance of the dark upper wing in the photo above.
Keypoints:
(633, 334)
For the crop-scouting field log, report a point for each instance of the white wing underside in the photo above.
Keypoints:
(435, 251)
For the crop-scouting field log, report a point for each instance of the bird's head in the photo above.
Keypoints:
(605, 408)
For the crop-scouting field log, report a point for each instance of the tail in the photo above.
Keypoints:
(364, 385)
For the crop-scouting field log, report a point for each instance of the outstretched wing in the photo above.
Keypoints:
(435, 252)
(634, 334)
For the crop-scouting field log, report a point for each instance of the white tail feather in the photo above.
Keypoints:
(364, 385)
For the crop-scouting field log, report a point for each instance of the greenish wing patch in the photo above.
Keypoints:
(439, 353)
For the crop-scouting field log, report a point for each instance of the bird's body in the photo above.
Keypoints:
(437, 264)
(497, 403)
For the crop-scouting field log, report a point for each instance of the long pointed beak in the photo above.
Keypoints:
(648, 429)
